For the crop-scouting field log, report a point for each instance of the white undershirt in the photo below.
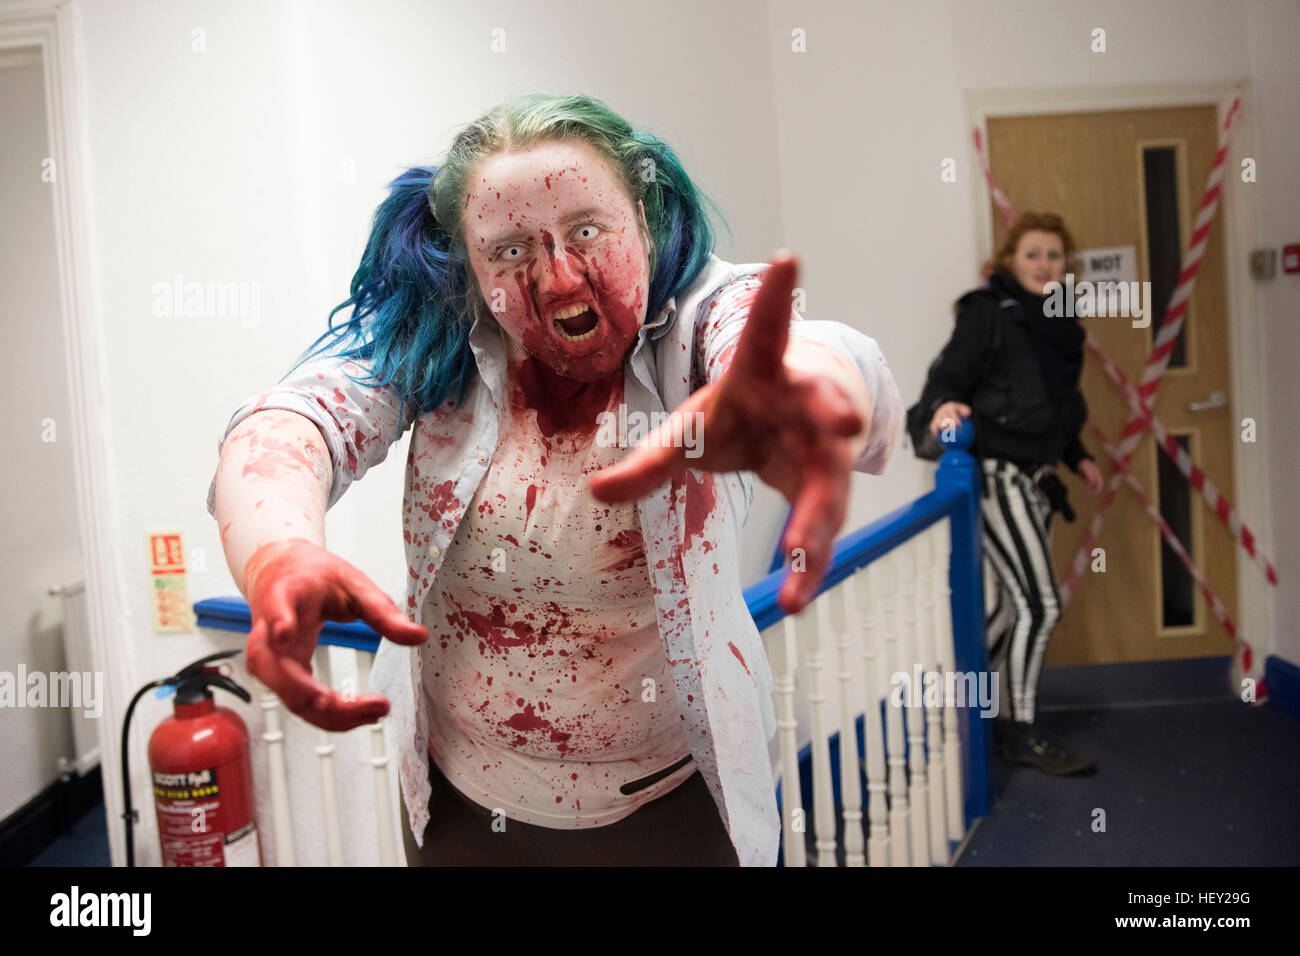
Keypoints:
(548, 685)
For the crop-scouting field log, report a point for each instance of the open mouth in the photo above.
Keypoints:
(576, 323)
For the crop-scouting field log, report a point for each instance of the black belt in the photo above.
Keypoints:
(655, 777)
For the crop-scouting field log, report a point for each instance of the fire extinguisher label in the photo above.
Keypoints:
(194, 785)
(190, 824)
(241, 847)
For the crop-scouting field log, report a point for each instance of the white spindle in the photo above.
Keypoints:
(325, 761)
(947, 657)
(846, 626)
(384, 796)
(865, 594)
(937, 776)
(281, 821)
(794, 853)
(899, 810)
(910, 660)
(815, 631)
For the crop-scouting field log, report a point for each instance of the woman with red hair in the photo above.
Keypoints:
(1014, 370)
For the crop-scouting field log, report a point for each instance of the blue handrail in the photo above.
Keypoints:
(232, 614)
(959, 471)
(956, 496)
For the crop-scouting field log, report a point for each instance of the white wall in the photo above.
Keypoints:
(37, 503)
(226, 165)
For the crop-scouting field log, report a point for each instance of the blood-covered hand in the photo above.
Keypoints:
(793, 428)
(293, 588)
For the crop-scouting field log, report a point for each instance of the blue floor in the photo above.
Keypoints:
(1188, 775)
(1206, 784)
(86, 844)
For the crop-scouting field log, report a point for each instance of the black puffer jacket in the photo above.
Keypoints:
(1018, 370)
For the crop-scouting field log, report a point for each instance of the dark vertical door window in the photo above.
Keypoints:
(1177, 589)
(1164, 245)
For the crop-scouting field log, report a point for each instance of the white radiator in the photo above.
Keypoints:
(80, 658)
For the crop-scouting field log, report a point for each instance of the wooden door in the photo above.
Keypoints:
(1135, 178)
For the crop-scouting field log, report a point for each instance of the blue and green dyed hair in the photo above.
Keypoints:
(414, 295)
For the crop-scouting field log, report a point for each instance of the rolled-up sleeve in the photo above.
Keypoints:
(718, 333)
(359, 422)
(886, 402)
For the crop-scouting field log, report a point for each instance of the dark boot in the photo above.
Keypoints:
(1025, 745)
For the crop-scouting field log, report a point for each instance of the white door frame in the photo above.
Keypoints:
(1238, 213)
(52, 27)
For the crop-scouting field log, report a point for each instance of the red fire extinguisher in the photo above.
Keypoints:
(202, 774)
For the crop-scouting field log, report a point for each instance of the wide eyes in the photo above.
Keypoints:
(586, 232)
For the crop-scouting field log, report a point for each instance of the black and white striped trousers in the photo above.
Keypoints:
(1018, 553)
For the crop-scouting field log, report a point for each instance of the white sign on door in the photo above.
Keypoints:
(1113, 264)
(1107, 285)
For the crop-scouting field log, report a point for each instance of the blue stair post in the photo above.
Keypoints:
(958, 469)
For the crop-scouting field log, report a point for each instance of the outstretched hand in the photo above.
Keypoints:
(294, 587)
(794, 429)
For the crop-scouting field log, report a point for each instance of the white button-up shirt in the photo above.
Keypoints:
(721, 677)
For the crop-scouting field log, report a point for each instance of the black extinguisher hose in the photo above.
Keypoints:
(130, 816)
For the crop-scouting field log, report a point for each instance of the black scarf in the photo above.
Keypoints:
(1058, 340)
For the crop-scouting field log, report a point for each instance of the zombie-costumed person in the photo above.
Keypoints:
(576, 678)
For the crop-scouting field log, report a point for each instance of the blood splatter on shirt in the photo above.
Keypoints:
(547, 682)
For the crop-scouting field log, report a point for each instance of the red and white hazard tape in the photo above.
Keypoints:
(1157, 364)
(1247, 655)
(1158, 361)
(1166, 335)
(1219, 504)
(1008, 211)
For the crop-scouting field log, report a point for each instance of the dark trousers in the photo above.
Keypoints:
(679, 828)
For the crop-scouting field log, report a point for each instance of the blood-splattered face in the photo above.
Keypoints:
(561, 255)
